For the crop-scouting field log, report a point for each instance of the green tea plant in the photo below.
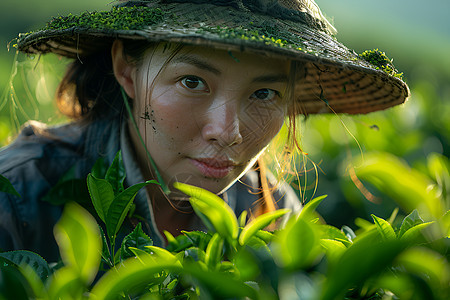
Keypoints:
(239, 259)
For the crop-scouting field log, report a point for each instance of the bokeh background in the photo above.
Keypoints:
(415, 33)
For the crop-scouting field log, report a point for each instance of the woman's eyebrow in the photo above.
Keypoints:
(196, 62)
(268, 78)
(201, 64)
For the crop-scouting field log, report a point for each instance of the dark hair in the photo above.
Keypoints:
(89, 89)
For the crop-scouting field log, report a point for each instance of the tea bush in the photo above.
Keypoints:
(239, 259)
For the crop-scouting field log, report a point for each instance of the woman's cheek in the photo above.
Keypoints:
(261, 124)
(171, 114)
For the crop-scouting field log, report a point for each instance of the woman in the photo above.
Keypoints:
(210, 84)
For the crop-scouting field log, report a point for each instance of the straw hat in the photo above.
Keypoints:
(336, 77)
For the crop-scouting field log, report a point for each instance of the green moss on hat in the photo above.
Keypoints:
(261, 35)
(380, 60)
(119, 18)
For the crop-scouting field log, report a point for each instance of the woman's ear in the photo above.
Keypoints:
(124, 71)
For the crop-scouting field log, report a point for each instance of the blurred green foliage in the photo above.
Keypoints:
(417, 36)
(398, 258)
(28, 84)
(414, 35)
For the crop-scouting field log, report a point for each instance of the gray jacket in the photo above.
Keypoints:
(38, 158)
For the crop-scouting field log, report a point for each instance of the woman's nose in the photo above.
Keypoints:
(222, 123)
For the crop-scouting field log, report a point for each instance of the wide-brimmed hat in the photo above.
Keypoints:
(337, 79)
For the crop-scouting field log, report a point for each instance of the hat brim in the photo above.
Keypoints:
(337, 79)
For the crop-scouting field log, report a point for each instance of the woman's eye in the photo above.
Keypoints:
(265, 94)
(194, 83)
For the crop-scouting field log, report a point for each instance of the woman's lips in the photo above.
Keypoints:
(214, 168)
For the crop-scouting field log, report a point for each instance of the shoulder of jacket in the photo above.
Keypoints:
(36, 142)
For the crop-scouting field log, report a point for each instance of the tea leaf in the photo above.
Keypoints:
(406, 186)
(217, 220)
(199, 239)
(214, 251)
(385, 229)
(79, 241)
(132, 275)
(439, 167)
(260, 223)
(106, 253)
(410, 221)
(194, 254)
(364, 259)
(297, 245)
(66, 284)
(162, 254)
(102, 195)
(115, 174)
(137, 239)
(227, 267)
(257, 243)
(242, 220)
(13, 284)
(247, 264)
(403, 285)
(219, 214)
(36, 284)
(308, 211)
(426, 263)
(332, 233)
(34, 260)
(7, 187)
(334, 249)
(445, 223)
(220, 285)
(363, 224)
(119, 207)
(99, 168)
(414, 232)
(266, 236)
(172, 242)
(206, 219)
(179, 243)
(138, 252)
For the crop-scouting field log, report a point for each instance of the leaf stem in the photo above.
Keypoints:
(164, 186)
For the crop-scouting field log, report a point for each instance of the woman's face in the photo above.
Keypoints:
(205, 115)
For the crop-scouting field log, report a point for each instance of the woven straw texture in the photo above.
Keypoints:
(337, 79)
